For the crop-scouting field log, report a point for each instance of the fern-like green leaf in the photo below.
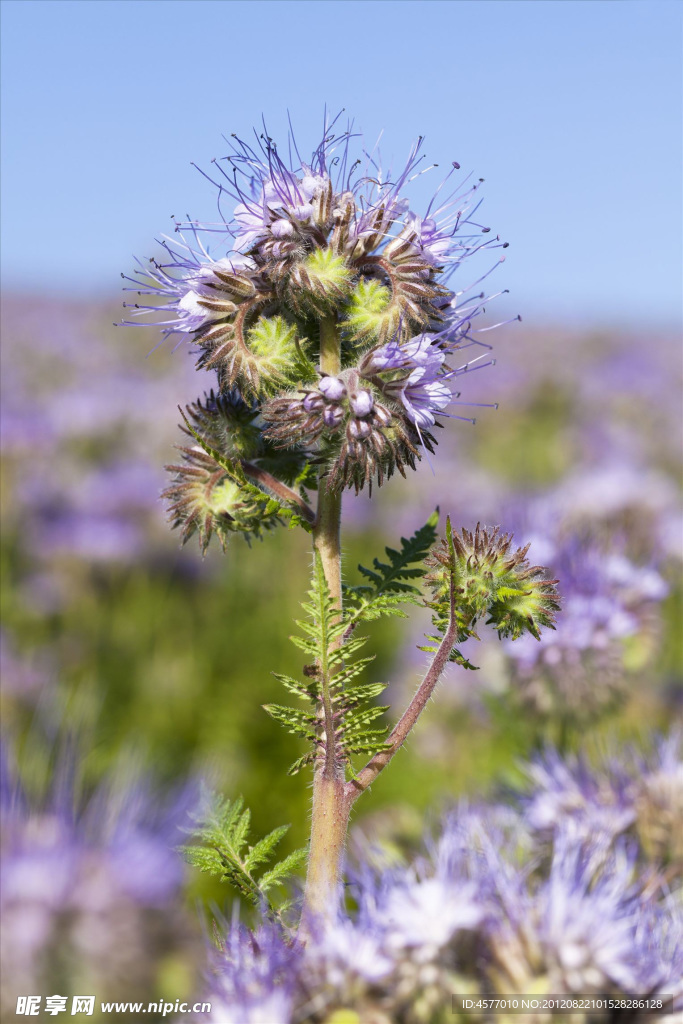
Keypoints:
(346, 674)
(367, 745)
(357, 722)
(301, 762)
(282, 870)
(305, 690)
(295, 721)
(220, 847)
(391, 583)
(355, 695)
(261, 852)
(341, 710)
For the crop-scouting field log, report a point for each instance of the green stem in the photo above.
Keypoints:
(331, 806)
(378, 763)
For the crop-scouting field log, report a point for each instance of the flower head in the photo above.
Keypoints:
(252, 977)
(323, 238)
(355, 427)
(487, 577)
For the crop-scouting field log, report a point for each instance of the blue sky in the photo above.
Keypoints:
(571, 111)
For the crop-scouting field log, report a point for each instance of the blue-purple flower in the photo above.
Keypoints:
(552, 898)
(635, 794)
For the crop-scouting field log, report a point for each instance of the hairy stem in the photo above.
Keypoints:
(360, 783)
(331, 807)
(329, 825)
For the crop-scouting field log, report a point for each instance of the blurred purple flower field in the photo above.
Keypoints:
(113, 633)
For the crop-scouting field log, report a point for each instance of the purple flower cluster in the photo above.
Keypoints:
(253, 976)
(634, 794)
(330, 240)
(424, 391)
(561, 898)
(91, 895)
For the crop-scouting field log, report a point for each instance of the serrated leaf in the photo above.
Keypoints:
(295, 721)
(390, 576)
(339, 715)
(219, 849)
(301, 762)
(367, 746)
(390, 581)
(281, 871)
(345, 675)
(305, 690)
(357, 720)
(261, 851)
(355, 695)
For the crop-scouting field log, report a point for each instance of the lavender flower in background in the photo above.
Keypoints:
(576, 931)
(91, 897)
(638, 794)
(568, 793)
(556, 899)
(252, 978)
(658, 802)
(80, 486)
(579, 672)
(619, 496)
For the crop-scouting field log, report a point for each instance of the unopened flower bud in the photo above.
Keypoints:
(282, 228)
(312, 402)
(489, 578)
(358, 429)
(332, 388)
(382, 416)
(333, 415)
(362, 402)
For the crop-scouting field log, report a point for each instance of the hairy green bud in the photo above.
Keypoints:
(489, 579)
(272, 343)
(370, 314)
(206, 498)
(319, 283)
